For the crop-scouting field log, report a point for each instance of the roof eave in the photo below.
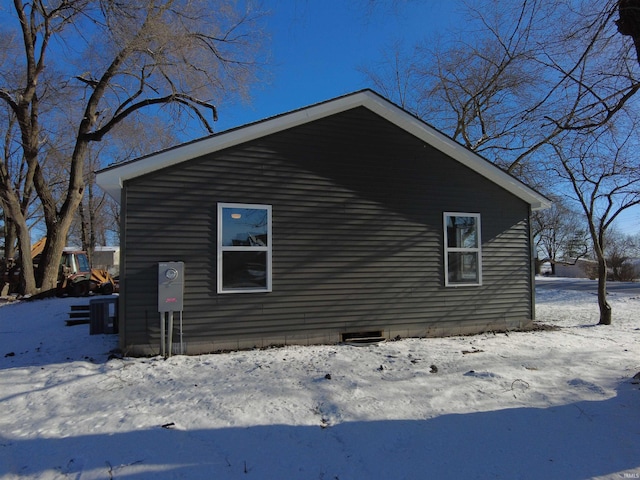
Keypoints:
(111, 179)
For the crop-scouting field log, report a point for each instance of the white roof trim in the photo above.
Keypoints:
(111, 179)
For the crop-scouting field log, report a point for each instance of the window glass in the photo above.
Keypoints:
(244, 269)
(462, 232)
(244, 248)
(244, 226)
(83, 263)
(463, 267)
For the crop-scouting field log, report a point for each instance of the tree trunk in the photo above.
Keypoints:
(59, 222)
(7, 262)
(88, 225)
(12, 208)
(47, 275)
(605, 308)
(19, 230)
(84, 231)
(56, 239)
(10, 237)
(92, 220)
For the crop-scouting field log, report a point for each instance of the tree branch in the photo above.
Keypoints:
(187, 100)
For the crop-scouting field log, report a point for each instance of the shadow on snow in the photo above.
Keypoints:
(574, 441)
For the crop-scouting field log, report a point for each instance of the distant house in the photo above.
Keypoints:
(344, 219)
(580, 268)
(107, 258)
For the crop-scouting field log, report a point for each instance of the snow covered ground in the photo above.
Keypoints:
(547, 404)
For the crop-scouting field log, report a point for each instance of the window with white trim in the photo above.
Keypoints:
(462, 249)
(244, 248)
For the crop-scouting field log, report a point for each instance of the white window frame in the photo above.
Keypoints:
(253, 248)
(476, 250)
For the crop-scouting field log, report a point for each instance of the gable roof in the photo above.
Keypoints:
(112, 178)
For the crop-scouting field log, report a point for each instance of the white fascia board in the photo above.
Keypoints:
(112, 179)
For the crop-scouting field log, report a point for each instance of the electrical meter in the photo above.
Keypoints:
(170, 286)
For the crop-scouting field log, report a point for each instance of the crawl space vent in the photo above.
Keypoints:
(363, 337)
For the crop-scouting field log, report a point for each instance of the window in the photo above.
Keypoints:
(244, 248)
(462, 254)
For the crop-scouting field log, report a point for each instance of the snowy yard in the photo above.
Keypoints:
(553, 404)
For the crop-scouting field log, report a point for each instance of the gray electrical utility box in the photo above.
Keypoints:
(170, 286)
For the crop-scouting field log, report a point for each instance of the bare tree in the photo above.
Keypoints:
(17, 198)
(396, 76)
(603, 172)
(621, 251)
(9, 229)
(99, 62)
(559, 234)
(527, 83)
(517, 76)
(475, 84)
(95, 216)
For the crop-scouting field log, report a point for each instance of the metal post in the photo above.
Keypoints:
(181, 344)
(162, 336)
(170, 335)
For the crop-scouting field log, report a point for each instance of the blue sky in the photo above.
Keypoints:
(317, 46)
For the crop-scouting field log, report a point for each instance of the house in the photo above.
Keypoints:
(578, 268)
(346, 219)
(107, 258)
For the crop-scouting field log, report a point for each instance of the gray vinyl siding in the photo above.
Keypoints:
(357, 240)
